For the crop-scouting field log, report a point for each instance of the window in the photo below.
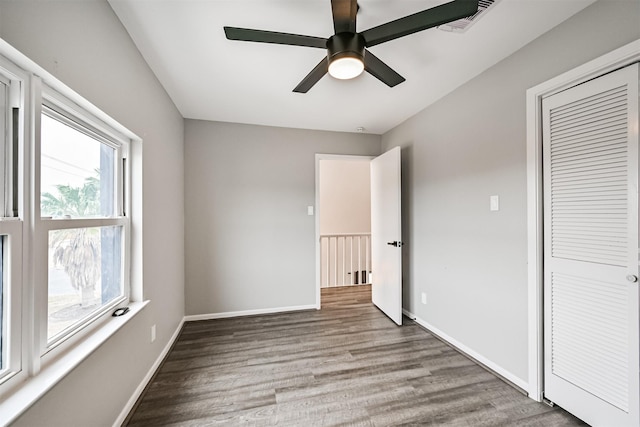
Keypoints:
(3, 310)
(82, 222)
(76, 175)
(65, 230)
(11, 361)
(11, 351)
(4, 119)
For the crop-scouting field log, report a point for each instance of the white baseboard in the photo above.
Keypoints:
(469, 352)
(136, 395)
(226, 314)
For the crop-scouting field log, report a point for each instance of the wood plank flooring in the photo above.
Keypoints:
(346, 364)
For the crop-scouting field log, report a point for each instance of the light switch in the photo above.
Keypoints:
(310, 210)
(494, 203)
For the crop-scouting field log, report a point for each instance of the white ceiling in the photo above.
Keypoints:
(212, 78)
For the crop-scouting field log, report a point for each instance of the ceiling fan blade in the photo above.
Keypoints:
(261, 36)
(420, 21)
(313, 77)
(344, 15)
(381, 71)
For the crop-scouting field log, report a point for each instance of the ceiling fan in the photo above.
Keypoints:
(347, 54)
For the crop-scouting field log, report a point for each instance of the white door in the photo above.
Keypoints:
(386, 234)
(590, 155)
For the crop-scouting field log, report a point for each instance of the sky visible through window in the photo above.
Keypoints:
(68, 157)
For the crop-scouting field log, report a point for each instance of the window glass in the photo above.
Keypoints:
(76, 179)
(85, 274)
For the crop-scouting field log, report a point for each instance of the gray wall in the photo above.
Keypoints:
(471, 262)
(84, 45)
(250, 244)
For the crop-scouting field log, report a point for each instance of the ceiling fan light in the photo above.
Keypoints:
(346, 67)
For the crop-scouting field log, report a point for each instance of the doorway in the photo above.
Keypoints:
(343, 224)
(385, 234)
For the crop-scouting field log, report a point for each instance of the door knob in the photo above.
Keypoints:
(632, 278)
(394, 243)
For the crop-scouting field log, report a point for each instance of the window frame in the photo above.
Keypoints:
(57, 106)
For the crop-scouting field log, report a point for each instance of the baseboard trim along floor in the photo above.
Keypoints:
(228, 314)
(510, 378)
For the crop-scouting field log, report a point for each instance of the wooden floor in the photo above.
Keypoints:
(346, 364)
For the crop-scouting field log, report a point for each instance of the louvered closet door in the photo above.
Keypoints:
(590, 155)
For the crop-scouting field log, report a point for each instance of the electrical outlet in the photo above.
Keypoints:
(424, 298)
(153, 333)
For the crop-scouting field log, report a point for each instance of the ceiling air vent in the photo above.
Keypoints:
(462, 25)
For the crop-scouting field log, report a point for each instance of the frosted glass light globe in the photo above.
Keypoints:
(346, 68)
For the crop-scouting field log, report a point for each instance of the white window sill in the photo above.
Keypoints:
(28, 392)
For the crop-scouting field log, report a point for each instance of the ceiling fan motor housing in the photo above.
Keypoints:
(345, 45)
